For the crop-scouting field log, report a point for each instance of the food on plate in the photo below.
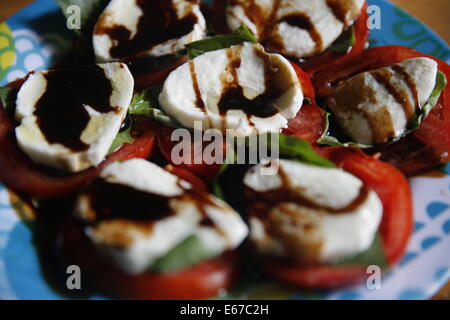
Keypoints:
(241, 88)
(321, 32)
(378, 106)
(306, 221)
(78, 135)
(148, 222)
(149, 34)
(67, 120)
(420, 138)
(129, 29)
(100, 138)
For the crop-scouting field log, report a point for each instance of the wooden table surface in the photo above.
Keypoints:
(434, 13)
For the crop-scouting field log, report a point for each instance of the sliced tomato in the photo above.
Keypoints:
(201, 281)
(202, 170)
(426, 147)
(395, 229)
(188, 177)
(329, 58)
(310, 122)
(21, 174)
(145, 78)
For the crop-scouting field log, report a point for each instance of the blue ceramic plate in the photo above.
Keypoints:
(36, 38)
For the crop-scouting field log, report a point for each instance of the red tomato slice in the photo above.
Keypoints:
(203, 170)
(188, 177)
(329, 58)
(395, 229)
(201, 281)
(425, 148)
(148, 78)
(310, 122)
(19, 173)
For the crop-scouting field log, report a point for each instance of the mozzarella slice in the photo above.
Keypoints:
(298, 28)
(241, 88)
(376, 106)
(311, 214)
(84, 133)
(135, 243)
(131, 29)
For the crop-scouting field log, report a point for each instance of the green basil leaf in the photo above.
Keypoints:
(90, 11)
(332, 141)
(239, 36)
(441, 83)
(297, 149)
(345, 42)
(8, 98)
(186, 254)
(372, 256)
(217, 188)
(121, 138)
(146, 103)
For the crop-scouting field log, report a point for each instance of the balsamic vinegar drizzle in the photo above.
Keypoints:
(115, 201)
(60, 112)
(266, 22)
(287, 193)
(302, 21)
(233, 97)
(158, 24)
(410, 82)
(383, 78)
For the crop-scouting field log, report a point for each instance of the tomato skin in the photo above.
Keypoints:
(188, 177)
(393, 190)
(395, 228)
(310, 122)
(19, 172)
(425, 148)
(203, 170)
(201, 281)
(329, 58)
(146, 79)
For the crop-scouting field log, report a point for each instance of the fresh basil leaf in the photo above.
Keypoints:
(122, 138)
(329, 140)
(90, 11)
(146, 103)
(239, 36)
(295, 148)
(345, 42)
(307, 101)
(8, 98)
(186, 254)
(217, 188)
(441, 83)
(5, 93)
(372, 256)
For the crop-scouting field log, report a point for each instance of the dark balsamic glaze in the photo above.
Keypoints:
(115, 201)
(383, 78)
(198, 97)
(233, 98)
(158, 24)
(302, 21)
(410, 82)
(264, 201)
(60, 111)
(339, 10)
(112, 201)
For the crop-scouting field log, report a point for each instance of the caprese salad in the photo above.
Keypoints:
(142, 225)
